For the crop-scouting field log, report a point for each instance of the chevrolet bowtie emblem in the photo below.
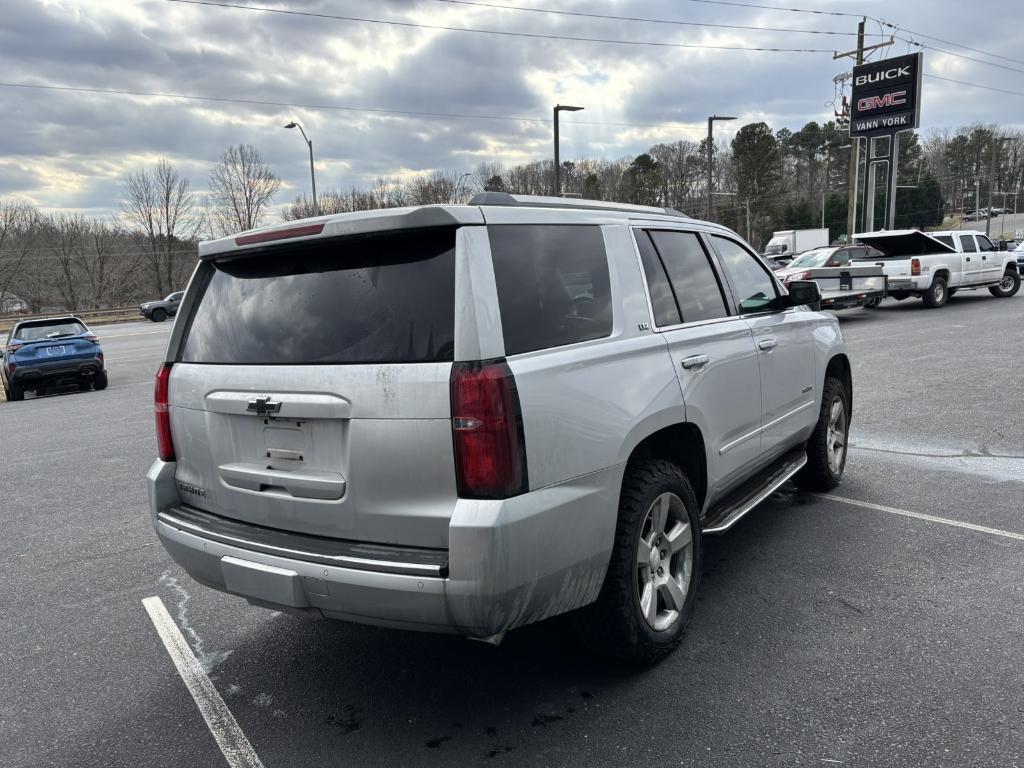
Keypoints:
(263, 406)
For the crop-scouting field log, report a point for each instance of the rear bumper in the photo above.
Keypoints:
(56, 372)
(509, 563)
(848, 299)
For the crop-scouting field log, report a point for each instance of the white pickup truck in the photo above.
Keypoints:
(935, 265)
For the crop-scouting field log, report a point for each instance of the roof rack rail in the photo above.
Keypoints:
(539, 201)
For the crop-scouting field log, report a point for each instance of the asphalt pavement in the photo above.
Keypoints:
(827, 632)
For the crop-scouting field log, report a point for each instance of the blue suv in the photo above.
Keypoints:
(53, 352)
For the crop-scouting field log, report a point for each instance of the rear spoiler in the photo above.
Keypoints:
(342, 225)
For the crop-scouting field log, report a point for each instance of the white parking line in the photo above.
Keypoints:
(922, 516)
(222, 724)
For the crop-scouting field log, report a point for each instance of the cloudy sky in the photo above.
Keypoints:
(63, 149)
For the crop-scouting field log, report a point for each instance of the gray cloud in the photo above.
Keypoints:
(70, 150)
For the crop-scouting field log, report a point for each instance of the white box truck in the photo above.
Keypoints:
(787, 243)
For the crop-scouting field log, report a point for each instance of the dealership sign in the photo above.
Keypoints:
(886, 97)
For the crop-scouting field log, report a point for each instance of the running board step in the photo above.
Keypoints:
(729, 510)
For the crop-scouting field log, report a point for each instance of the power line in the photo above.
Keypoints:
(339, 107)
(974, 85)
(503, 33)
(898, 27)
(959, 55)
(647, 20)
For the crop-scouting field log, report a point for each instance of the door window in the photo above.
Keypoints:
(663, 302)
(691, 275)
(754, 287)
(967, 243)
(984, 244)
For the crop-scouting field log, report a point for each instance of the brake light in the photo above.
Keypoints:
(487, 428)
(915, 267)
(92, 337)
(12, 348)
(164, 444)
(798, 276)
(304, 230)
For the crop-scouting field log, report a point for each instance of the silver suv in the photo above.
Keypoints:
(470, 418)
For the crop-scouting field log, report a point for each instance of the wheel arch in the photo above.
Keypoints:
(839, 367)
(683, 445)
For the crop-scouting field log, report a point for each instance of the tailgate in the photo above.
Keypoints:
(311, 392)
(55, 351)
(845, 281)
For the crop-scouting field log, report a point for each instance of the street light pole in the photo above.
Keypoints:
(992, 181)
(560, 108)
(312, 173)
(458, 186)
(711, 121)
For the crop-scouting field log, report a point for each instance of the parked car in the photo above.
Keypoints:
(470, 418)
(158, 311)
(843, 285)
(935, 265)
(54, 352)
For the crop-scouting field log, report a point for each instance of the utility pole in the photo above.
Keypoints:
(851, 205)
(996, 140)
(558, 182)
(858, 56)
(711, 156)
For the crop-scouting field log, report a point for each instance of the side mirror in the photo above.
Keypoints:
(804, 292)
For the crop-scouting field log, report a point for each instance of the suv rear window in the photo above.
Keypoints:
(371, 299)
(48, 330)
(553, 285)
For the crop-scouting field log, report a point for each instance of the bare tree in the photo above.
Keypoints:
(17, 233)
(160, 207)
(241, 188)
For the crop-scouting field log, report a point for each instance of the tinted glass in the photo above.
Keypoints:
(355, 300)
(693, 280)
(967, 243)
(41, 331)
(666, 312)
(984, 244)
(752, 283)
(946, 239)
(553, 286)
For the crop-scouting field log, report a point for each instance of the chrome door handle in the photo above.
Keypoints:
(767, 344)
(696, 361)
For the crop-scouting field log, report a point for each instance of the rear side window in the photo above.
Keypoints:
(375, 299)
(967, 241)
(553, 285)
(946, 240)
(691, 275)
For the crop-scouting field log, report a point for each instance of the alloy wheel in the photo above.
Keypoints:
(664, 561)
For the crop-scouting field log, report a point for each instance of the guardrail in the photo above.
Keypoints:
(92, 316)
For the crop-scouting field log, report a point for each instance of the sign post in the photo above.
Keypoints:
(885, 102)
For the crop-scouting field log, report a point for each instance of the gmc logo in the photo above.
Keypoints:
(894, 99)
(881, 77)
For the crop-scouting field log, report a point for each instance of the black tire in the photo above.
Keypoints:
(615, 625)
(15, 393)
(41, 391)
(822, 472)
(158, 315)
(1008, 287)
(84, 386)
(936, 295)
(99, 381)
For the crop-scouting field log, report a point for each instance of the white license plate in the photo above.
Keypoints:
(59, 351)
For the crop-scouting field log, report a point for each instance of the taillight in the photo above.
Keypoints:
(798, 276)
(915, 267)
(12, 348)
(92, 337)
(487, 427)
(164, 444)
